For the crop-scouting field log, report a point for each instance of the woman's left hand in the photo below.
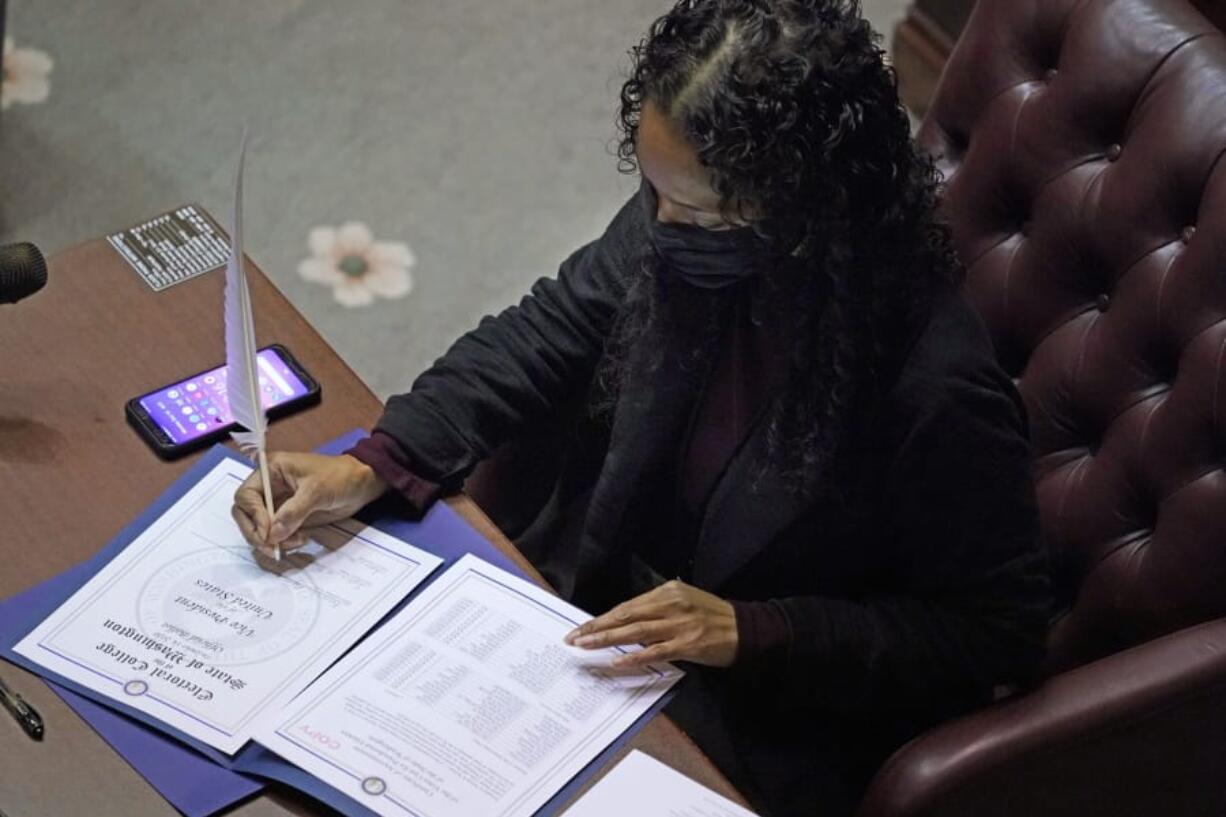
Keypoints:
(675, 622)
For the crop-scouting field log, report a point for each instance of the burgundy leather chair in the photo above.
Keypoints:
(1082, 143)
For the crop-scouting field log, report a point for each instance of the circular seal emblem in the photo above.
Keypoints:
(217, 604)
(135, 687)
(374, 786)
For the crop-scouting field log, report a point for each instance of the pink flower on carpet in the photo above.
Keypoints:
(24, 75)
(358, 268)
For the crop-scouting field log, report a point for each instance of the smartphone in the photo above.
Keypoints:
(195, 412)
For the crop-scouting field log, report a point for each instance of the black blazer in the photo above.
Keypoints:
(906, 599)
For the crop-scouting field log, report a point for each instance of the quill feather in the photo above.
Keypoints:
(242, 373)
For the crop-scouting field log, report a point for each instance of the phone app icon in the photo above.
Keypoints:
(201, 426)
(212, 411)
(195, 418)
(210, 379)
(172, 394)
(187, 410)
(191, 387)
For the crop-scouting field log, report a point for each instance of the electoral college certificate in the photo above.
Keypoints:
(187, 625)
(465, 703)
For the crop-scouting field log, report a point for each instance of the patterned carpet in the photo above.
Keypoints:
(453, 152)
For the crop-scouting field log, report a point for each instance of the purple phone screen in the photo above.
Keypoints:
(198, 405)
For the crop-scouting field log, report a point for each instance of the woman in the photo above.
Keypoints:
(794, 462)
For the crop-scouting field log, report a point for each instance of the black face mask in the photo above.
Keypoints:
(710, 259)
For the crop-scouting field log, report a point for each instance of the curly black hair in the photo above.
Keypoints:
(792, 108)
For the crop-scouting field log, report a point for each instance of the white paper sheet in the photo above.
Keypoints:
(642, 786)
(187, 626)
(466, 704)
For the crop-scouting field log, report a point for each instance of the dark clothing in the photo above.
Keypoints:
(395, 465)
(862, 619)
(729, 404)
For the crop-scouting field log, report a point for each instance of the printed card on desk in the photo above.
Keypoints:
(644, 787)
(186, 625)
(467, 702)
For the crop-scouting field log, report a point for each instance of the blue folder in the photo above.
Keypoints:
(195, 778)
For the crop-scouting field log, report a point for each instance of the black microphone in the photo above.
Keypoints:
(23, 271)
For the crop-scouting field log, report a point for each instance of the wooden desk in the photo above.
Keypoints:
(72, 474)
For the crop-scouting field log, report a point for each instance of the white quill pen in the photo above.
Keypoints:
(242, 374)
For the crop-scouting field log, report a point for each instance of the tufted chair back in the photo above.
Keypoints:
(1082, 143)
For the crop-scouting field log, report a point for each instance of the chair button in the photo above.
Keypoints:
(1103, 301)
(1114, 151)
(1050, 74)
(1187, 233)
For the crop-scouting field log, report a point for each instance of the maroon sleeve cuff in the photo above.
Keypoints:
(394, 465)
(763, 632)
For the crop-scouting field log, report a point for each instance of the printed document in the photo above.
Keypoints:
(465, 703)
(644, 787)
(188, 625)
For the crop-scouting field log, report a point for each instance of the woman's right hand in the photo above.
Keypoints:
(308, 490)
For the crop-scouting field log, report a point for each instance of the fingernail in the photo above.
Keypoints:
(585, 640)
